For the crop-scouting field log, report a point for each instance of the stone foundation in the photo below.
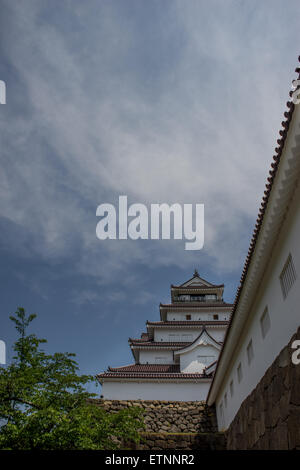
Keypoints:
(269, 418)
(173, 424)
(169, 417)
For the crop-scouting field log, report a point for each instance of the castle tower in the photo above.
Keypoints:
(176, 357)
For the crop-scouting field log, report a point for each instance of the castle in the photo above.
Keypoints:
(254, 385)
(176, 357)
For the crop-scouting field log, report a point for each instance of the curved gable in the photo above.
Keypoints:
(204, 339)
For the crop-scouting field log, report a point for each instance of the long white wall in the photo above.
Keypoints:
(188, 334)
(203, 316)
(180, 391)
(156, 357)
(284, 320)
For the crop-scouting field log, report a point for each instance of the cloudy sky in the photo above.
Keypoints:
(163, 101)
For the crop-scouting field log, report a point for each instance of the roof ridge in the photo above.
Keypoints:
(151, 375)
(261, 212)
(204, 330)
(270, 180)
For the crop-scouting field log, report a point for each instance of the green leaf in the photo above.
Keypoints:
(44, 403)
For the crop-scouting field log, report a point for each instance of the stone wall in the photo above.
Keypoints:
(173, 424)
(269, 418)
(169, 416)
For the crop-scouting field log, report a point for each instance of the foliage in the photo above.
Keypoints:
(44, 403)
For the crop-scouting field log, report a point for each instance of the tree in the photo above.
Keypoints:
(44, 403)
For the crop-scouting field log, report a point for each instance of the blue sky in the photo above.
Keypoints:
(164, 101)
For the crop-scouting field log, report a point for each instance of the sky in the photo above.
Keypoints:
(169, 101)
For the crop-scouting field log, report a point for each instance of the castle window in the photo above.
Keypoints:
(188, 317)
(211, 297)
(197, 297)
(216, 317)
(287, 276)
(265, 322)
(231, 388)
(183, 298)
(250, 352)
(239, 372)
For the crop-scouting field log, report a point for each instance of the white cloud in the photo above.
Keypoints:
(202, 130)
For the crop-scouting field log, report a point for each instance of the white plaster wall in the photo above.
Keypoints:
(150, 357)
(167, 335)
(217, 333)
(169, 391)
(186, 334)
(284, 316)
(203, 316)
(189, 361)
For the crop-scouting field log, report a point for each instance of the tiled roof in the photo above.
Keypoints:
(203, 282)
(197, 287)
(155, 368)
(188, 323)
(156, 344)
(150, 371)
(272, 173)
(145, 337)
(262, 209)
(188, 304)
(153, 375)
